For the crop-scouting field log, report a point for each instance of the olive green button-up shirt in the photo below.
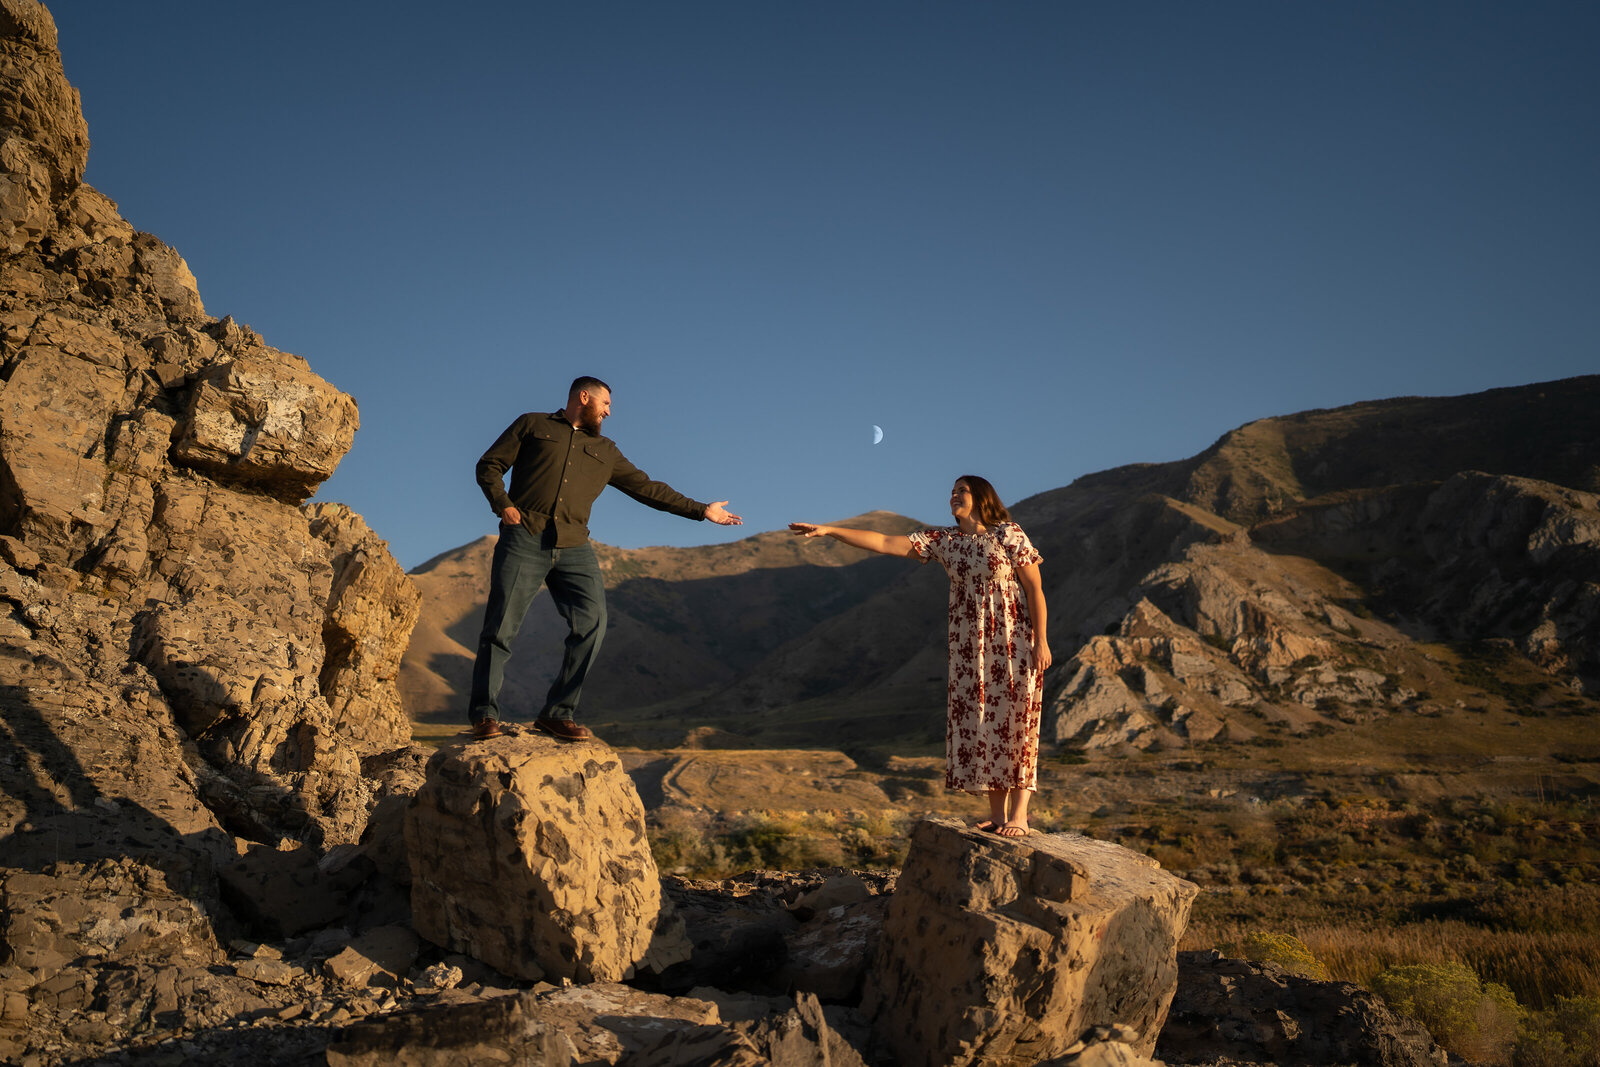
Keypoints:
(557, 471)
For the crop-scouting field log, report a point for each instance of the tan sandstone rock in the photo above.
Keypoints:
(372, 607)
(1007, 951)
(263, 419)
(530, 854)
(117, 911)
(152, 460)
(44, 142)
(183, 662)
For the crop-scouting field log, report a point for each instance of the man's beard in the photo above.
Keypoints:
(589, 418)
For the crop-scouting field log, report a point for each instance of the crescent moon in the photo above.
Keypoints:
(877, 434)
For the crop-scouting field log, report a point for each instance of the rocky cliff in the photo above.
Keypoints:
(189, 647)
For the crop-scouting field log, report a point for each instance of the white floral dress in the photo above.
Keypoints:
(996, 695)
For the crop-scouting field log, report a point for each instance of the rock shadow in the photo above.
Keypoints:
(66, 817)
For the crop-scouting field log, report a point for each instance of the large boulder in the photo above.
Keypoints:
(530, 854)
(1239, 1011)
(263, 419)
(1006, 951)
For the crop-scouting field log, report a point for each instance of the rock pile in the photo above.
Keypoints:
(163, 992)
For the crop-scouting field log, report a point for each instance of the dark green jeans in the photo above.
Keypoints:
(520, 567)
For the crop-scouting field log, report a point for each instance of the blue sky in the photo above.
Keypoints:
(1029, 240)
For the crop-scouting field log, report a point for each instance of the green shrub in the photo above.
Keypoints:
(1474, 1020)
(774, 844)
(1567, 1036)
(1541, 1048)
(680, 846)
(1286, 951)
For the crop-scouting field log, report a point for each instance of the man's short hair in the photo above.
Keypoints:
(586, 384)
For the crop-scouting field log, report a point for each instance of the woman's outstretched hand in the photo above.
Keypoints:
(888, 544)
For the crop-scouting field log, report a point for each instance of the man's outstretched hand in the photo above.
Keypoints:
(719, 514)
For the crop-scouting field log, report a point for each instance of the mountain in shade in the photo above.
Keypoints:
(1303, 571)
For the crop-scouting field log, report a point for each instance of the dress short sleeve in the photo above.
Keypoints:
(1017, 545)
(929, 544)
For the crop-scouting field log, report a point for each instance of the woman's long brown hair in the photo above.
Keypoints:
(985, 501)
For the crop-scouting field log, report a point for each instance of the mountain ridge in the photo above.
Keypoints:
(1326, 501)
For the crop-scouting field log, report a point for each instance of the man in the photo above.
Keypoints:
(559, 464)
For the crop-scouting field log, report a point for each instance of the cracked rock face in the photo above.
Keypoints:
(191, 655)
(1244, 630)
(158, 567)
(1007, 950)
(191, 658)
(530, 854)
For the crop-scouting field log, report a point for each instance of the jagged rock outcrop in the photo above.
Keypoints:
(1248, 1013)
(191, 657)
(153, 464)
(1220, 643)
(44, 145)
(1006, 951)
(530, 854)
(371, 609)
(1518, 559)
(1246, 630)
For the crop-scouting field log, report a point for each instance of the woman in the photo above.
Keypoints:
(998, 650)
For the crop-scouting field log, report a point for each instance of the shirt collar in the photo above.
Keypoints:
(560, 415)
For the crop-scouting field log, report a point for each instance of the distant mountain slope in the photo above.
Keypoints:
(1304, 570)
(1548, 432)
(681, 619)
